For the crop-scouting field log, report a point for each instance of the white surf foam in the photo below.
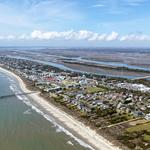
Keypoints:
(58, 130)
(27, 112)
(12, 88)
(19, 97)
(11, 80)
(70, 143)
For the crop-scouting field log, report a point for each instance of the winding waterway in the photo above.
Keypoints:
(109, 73)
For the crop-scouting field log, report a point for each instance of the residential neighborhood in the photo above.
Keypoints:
(103, 100)
(83, 92)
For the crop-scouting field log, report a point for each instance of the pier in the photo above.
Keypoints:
(12, 95)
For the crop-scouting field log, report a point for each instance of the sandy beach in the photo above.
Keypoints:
(95, 140)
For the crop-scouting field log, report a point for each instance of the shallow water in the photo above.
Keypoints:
(111, 73)
(23, 126)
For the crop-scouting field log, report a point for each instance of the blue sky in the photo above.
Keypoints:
(75, 22)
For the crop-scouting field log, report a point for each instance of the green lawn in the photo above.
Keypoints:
(141, 127)
(91, 90)
(146, 137)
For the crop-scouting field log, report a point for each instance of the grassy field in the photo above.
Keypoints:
(92, 90)
(141, 127)
(137, 136)
(146, 137)
(66, 82)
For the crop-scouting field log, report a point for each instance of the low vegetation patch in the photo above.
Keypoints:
(92, 90)
(146, 137)
(138, 136)
(140, 127)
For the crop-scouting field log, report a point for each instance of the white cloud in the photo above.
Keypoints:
(87, 35)
(98, 5)
(135, 37)
(24, 15)
(72, 35)
(1, 37)
(119, 7)
(113, 36)
(52, 35)
(77, 36)
(23, 37)
(44, 35)
(83, 35)
(8, 37)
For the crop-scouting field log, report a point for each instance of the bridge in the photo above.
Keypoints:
(13, 95)
(139, 78)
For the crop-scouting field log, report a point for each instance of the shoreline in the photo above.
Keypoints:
(89, 135)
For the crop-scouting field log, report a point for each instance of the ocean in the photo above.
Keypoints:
(24, 126)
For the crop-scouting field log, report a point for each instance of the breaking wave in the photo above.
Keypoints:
(27, 112)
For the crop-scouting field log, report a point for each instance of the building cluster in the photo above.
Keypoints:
(135, 87)
(82, 92)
